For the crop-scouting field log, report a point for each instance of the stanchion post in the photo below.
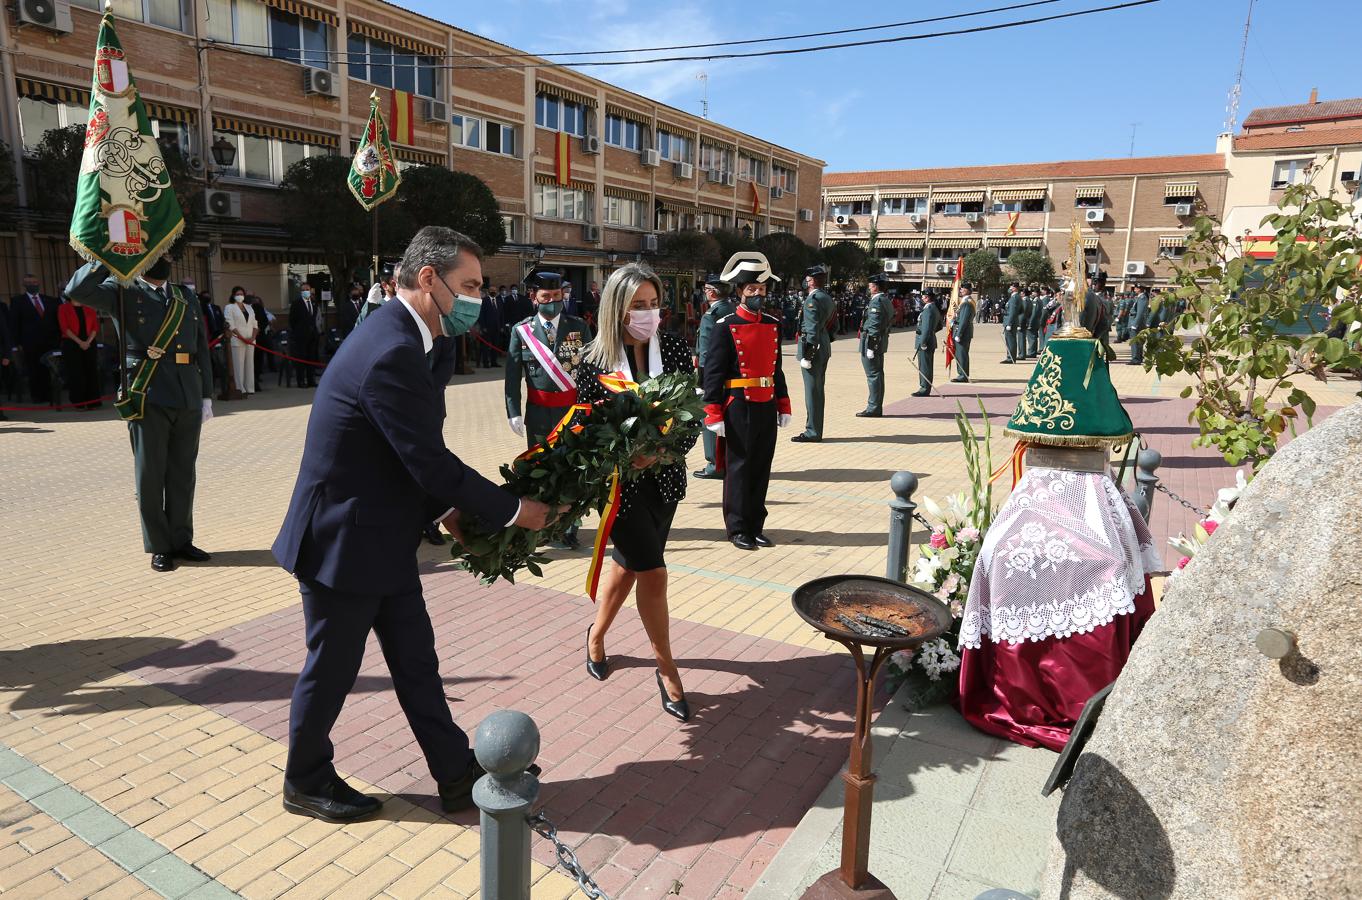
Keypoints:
(901, 510)
(507, 742)
(1146, 480)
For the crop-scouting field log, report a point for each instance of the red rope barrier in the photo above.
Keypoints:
(59, 406)
(487, 342)
(306, 362)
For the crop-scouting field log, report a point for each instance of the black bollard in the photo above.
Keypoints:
(1146, 481)
(901, 510)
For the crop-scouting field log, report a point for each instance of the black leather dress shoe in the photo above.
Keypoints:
(762, 540)
(163, 562)
(706, 474)
(679, 709)
(193, 554)
(337, 802)
(743, 542)
(921, 394)
(803, 438)
(959, 381)
(433, 535)
(456, 796)
(597, 670)
(868, 414)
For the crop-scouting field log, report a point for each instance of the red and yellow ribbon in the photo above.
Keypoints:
(1014, 463)
(612, 508)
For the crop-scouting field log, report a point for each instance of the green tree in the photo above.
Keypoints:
(1031, 267)
(319, 212)
(1252, 326)
(983, 271)
(435, 195)
(689, 251)
(788, 256)
(731, 241)
(848, 262)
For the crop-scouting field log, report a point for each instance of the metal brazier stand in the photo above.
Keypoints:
(860, 611)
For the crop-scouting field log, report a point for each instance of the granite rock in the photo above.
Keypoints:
(1214, 770)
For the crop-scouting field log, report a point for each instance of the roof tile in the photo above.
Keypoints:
(1305, 112)
(1318, 137)
(1085, 168)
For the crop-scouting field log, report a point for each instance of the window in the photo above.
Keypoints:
(711, 221)
(560, 115)
(752, 169)
(1089, 202)
(622, 132)
(266, 160)
(466, 131)
(714, 158)
(1172, 252)
(554, 202)
(903, 206)
(1011, 206)
(756, 227)
(500, 138)
(242, 22)
(38, 116)
(958, 209)
(510, 225)
(854, 208)
(165, 13)
(674, 147)
(671, 220)
(379, 62)
(482, 134)
(946, 254)
(623, 212)
(917, 253)
(782, 178)
(1290, 171)
(778, 228)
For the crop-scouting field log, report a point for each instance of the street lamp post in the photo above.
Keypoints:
(224, 154)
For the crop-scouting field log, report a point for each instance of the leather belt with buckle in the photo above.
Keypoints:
(750, 382)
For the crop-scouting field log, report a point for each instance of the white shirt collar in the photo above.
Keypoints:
(549, 325)
(426, 340)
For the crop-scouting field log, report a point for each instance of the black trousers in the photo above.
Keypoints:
(338, 626)
(39, 379)
(309, 349)
(80, 368)
(165, 451)
(749, 447)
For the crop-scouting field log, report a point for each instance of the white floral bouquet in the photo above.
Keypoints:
(946, 564)
(1225, 499)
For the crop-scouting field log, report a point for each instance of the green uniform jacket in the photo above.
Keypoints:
(178, 386)
(926, 327)
(1037, 320)
(879, 317)
(521, 364)
(1012, 315)
(724, 306)
(814, 337)
(964, 323)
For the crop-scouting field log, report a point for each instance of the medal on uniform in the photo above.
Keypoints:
(155, 353)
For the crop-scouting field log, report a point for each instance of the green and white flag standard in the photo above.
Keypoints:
(126, 214)
(373, 174)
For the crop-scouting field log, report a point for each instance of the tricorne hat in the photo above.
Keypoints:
(748, 267)
(544, 280)
(1070, 400)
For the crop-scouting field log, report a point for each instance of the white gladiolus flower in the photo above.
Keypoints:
(930, 505)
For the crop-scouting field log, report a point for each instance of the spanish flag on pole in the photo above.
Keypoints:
(756, 198)
(402, 117)
(953, 309)
(562, 160)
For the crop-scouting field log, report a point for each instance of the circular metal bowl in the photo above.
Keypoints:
(819, 602)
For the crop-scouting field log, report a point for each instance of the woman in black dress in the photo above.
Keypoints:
(629, 342)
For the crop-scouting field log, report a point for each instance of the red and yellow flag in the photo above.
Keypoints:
(402, 117)
(562, 160)
(953, 309)
(756, 198)
(1011, 224)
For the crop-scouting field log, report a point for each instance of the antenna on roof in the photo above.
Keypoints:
(1232, 109)
(704, 99)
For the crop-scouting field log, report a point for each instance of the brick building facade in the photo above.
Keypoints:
(284, 79)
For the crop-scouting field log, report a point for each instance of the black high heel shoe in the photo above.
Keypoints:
(597, 670)
(679, 709)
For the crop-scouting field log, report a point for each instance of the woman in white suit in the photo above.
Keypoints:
(242, 326)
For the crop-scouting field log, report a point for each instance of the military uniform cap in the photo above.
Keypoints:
(748, 267)
(877, 279)
(544, 280)
(815, 271)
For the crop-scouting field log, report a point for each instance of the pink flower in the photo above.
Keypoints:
(1210, 525)
(1182, 563)
(969, 534)
(938, 541)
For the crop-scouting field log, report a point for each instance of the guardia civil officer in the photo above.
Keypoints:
(1011, 323)
(1139, 321)
(813, 350)
(879, 316)
(1034, 323)
(746, 398)
(171, 386)
(963, 332)
(925, 346)
(720, 305)
(544, 352)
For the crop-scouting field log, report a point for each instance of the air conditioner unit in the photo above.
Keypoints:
(714, 176)
(54, 15)
(591, 144)
(1182, 209)
(842, 220)
(1135, 267)
(891, 265)
(196, 165)
(915, 218)
(1094, 215)
(971, 217)
(777, 193)
(729, 180)
(650, 243)
(944, 268)
(222, 204)
(651, 158)
(806, 215)
(591, 234)
(320, 81)
(683, 170)
(437, 111)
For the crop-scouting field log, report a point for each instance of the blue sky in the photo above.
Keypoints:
(1059, 90)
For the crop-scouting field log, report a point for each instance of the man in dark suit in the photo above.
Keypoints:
(374, 469)
(305, 328)
(348, 309)
(489, 330)
(33, 322)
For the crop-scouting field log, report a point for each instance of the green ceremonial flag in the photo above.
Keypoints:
(126, 214)
(373, 175)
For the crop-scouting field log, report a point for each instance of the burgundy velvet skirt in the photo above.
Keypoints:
(1032, 693)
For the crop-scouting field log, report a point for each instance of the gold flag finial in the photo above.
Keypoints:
(1074, 291)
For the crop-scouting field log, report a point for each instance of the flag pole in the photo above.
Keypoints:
(122, 345)
(374, 219)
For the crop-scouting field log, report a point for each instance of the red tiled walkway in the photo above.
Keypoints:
(645, 800)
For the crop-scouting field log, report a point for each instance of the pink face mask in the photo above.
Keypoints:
(642, 323)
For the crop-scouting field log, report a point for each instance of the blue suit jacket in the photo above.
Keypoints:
(375, 468)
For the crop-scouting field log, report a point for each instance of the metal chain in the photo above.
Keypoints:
(917, 517)
(566, 858)
(1160, 487)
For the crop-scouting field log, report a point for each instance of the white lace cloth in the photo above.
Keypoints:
(1067, 553)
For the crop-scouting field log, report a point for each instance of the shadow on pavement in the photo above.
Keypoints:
(834, 475)
(781, 536)
(239, 558)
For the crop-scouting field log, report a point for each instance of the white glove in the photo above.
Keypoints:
(870, 354)
(207, 408)
(806, 364)
(518, 425)
(717, 428)
(783, 419)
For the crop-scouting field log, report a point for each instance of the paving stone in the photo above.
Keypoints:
(1009, 852)
(132, 850)
(171, 877)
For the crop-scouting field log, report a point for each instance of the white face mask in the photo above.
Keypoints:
(642, 323)
(239, 298)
